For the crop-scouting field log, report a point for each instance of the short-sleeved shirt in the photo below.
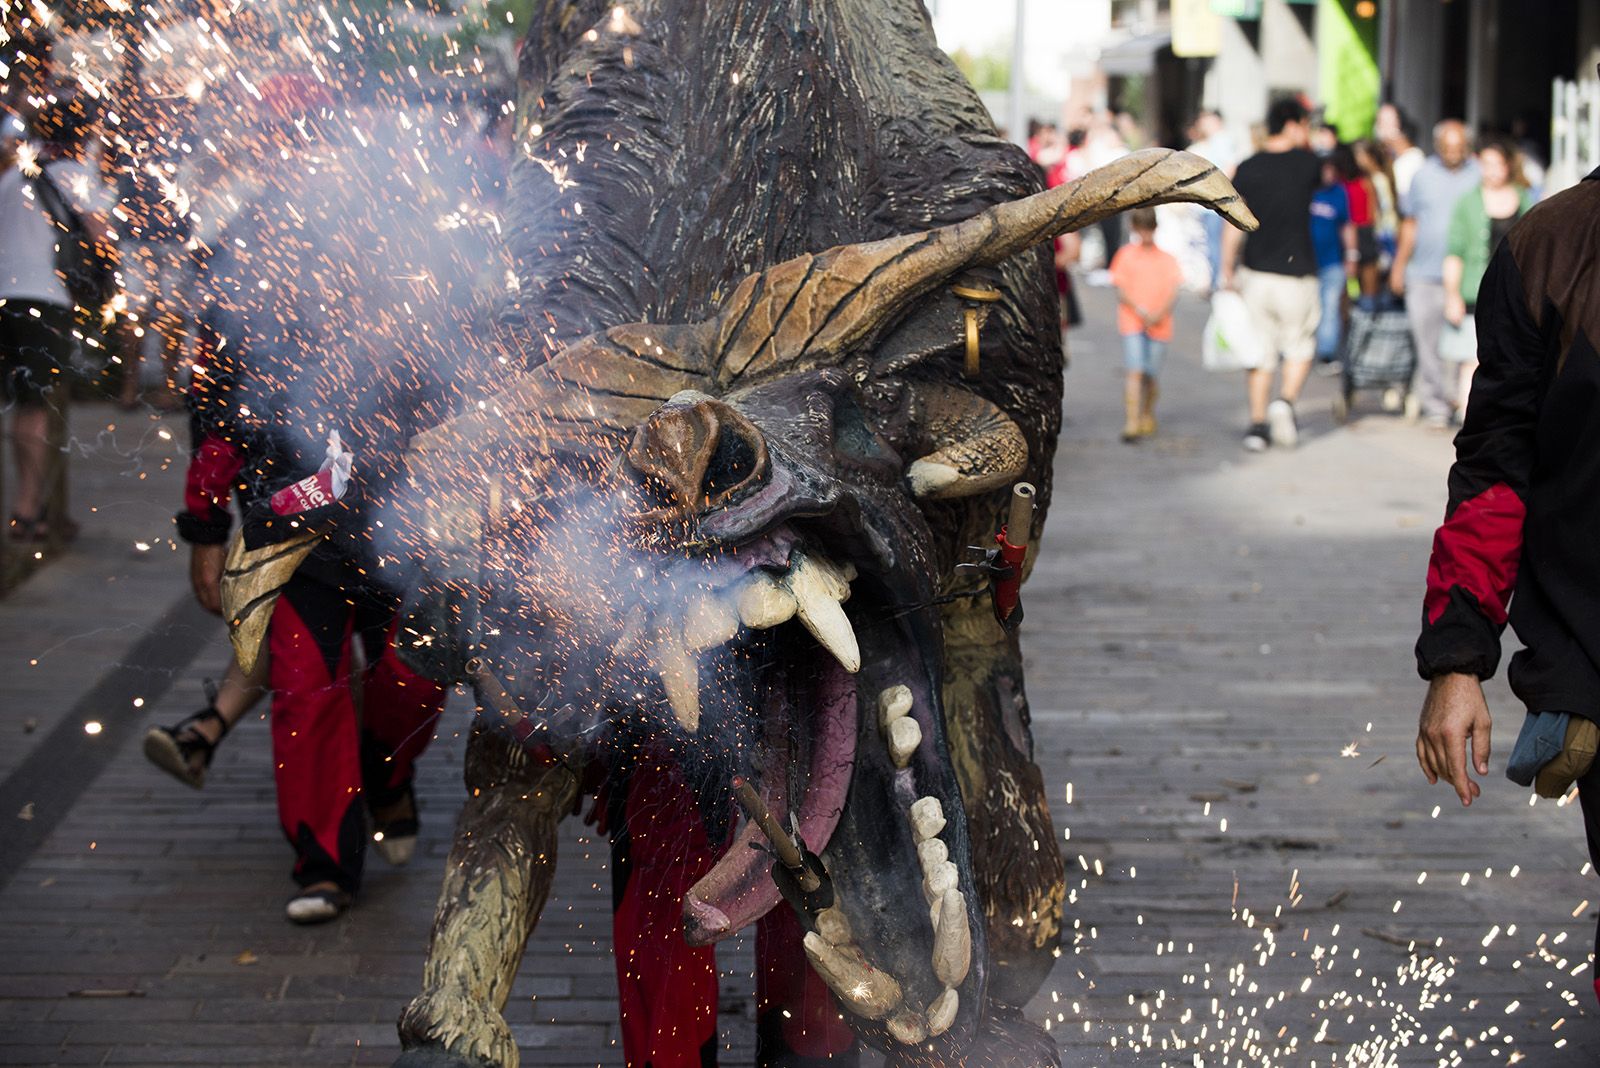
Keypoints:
(1150, 278)
(1432, 198)
(28, 268)
(1330, 210)
(1278, 187)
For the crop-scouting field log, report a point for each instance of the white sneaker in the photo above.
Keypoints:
(316, 906)
(1280, 417)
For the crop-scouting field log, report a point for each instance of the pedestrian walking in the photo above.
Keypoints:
(1333, 237)
(1212, 143)
(1397, 133)
(52, 198)
(1363, 198)
(293, 361)
(1374, 163)
(1418, 272)
(1147, 281)
(1479, 223)
(1277, 276)
(1517, 542)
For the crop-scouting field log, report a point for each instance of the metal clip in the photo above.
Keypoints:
(974, 296)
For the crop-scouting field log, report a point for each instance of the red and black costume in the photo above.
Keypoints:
(267, 388)
(1518, 540)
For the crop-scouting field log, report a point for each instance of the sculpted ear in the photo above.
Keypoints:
(977, 447)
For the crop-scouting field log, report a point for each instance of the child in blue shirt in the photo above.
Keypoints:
(1333, 237)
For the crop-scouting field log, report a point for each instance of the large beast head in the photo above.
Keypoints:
(718, 516)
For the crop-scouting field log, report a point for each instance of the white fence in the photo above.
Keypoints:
(1574, 132)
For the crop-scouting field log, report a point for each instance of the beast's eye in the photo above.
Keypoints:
(854, 439)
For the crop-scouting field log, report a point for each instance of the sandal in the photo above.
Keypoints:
(395, 839)
(21, 528)
(316, 906)
(175, 749)
(66, 529)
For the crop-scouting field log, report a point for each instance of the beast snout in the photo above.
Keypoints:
(693, 454)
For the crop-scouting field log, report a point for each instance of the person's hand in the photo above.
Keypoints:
(1453, 713)
(1455, 309)
(1397, 282)
(1226, 281)
(205, 575)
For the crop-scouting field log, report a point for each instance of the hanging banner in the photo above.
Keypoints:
(1347, 53)
(1196, 29)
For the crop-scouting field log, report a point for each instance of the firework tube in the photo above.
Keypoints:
(1013, 542)
(789, 853)
(492, 690)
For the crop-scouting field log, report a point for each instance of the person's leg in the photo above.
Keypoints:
(666, 987)
(797, 1021)
(1329, 332)
(1133, 360)
(1256, 291)
(30, 453)
(315, 747)
(35, 344)
(1299, 311)
(1213, 224)
(185, 749)
(1589, 802)
(1150, 390)
(1435, 387)
(399, 710)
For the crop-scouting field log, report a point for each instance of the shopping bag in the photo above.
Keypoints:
(1230, 342)
(1459, 344)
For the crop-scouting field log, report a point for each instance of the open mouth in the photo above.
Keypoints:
(838, 700)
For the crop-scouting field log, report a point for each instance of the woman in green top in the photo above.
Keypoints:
(1477, 226)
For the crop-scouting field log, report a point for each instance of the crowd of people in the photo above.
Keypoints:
(267, 235)
(1349, 230)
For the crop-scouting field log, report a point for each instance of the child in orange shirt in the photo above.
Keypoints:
(1147, 281)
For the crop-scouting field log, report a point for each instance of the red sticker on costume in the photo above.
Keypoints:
(308, 493)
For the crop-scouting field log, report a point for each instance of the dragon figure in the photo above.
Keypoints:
(783, 340)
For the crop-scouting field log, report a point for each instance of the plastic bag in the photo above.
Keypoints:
(1230, 342)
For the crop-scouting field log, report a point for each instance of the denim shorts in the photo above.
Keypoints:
(1142, 354)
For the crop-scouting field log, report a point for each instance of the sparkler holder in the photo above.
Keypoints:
(1004, 564)
(801, 877)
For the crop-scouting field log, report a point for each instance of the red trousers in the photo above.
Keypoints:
(668, 989)
(327, 762)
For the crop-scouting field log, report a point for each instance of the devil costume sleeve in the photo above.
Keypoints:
(216, 455)
(1524, 507)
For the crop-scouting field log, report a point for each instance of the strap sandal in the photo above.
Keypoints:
(310, 907)
(21, 528)
(395, 839)
(183, 752)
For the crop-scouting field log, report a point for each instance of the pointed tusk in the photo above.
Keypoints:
(865, 991)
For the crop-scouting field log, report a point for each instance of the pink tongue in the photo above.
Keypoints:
(739, 890)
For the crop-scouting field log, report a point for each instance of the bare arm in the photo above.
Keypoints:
(1453, 714)
(1232, 242)
(1455, 309)
(1405, 245)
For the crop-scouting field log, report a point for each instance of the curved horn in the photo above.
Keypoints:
(818, 306)
(977, 447)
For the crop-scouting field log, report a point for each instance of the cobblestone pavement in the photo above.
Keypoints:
(1224, 703)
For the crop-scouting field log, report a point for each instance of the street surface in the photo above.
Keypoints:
(1224, 704)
